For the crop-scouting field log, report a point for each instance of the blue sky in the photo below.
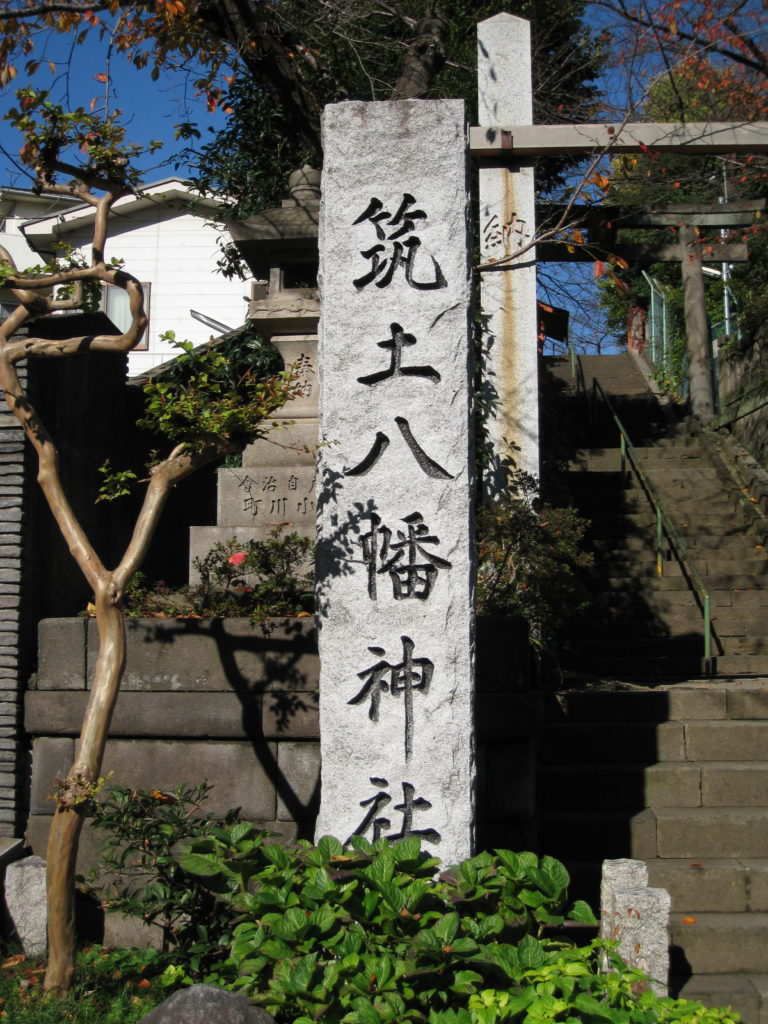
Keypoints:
(151, 109)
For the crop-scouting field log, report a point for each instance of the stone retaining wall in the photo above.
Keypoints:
(219, 700)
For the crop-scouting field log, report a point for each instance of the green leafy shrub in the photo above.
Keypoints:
(256, 579)
(531, 561)
(567, 984)
(367, 933)
(139, 875)
(218, 389)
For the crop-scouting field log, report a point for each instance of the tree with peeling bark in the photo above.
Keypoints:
(205, 426)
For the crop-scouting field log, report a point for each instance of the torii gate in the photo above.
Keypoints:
(504, 144)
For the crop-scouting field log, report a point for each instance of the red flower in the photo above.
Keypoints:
(237, 559)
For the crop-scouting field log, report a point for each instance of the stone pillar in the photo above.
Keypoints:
(641, 925)
(637, 917)
(507, 224)
(696, 326)
(394, 556)
(275, 486)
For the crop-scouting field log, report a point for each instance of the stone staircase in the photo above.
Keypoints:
(641, 757)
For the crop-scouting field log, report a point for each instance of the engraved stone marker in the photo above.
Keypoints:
(507, 225)
(395, 477)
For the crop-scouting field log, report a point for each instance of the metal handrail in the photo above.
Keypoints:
(664, 524)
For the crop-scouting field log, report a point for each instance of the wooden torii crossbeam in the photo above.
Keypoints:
(504, 145)
(601, 224)
(702, 137)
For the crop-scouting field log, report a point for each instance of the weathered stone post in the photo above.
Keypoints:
(507, 224)
(395, 488)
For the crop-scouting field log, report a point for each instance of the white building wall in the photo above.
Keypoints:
(176, 252)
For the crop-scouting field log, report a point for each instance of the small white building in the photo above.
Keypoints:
(169, 238)
(17, 206)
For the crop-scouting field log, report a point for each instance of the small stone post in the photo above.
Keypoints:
(637, 917)
(394, 555)
(507, 223)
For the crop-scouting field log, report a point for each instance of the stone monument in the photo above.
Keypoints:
(276, 484)
(395, 487)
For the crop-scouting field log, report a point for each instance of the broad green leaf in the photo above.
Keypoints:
(323, 919)
(556, 872)
(511, 862)
(330, 847)
(465, 982)
(446, 928)
(383, 867)
(586, 1003)
(203, 864)
(582, 912)
(361, 844)
(531, 898)
(530, 952)
(302, 973)
(488, 926)
(392, 895)
(407, 849)
(464, 946)
(243, 830)
(365, 1012)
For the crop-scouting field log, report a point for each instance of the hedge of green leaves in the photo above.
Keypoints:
(368, 934)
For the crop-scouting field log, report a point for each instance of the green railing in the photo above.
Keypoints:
(664, 526)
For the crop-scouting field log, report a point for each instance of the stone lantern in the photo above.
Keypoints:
(276, 484)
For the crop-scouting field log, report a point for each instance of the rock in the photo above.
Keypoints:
(204, 1004)
(25, 903)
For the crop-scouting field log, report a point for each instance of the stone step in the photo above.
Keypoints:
(597, 835)
(736, 643)
(605, 787)
(645, 624)
(715, 885)
(721, 943)
(739, 630)
(642, 564)
(602, 497)
(647, 670)
(729, 582)
(707, 528)
(660, 669)
(731, 740)
(644, 743)
(614, 643)
(746, 994)
(754, 665)
(734, 784)
(651, 742)
(676, 784)
(593, 460)
(696, 832)
(741, 545)
(683, 703)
